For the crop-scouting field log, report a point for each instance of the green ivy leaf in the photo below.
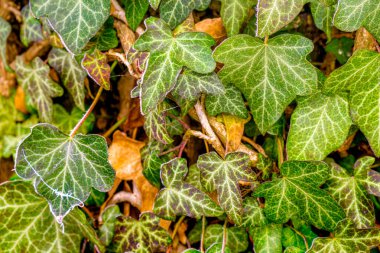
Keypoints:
(253, 215)
(155, 124)
(350, 15)
(5, 30)
(323, 17)
(272, 15)
(173, 12)
(66, 121)
(64, 169)
(319, 126)
(181, 198)
(154, 3)
(237, 238)
(347, 239)
(195, 233)
(97, 68)
(168, 55)
(234, 13)
(75, 21)
(364, 91)
(142, 236)
(28, 226)
(31, 29)
(105, 38)
(135, 11)
(193, 177)
(369, 178)
(291, 239)
(267, 239)
(71, 73)
(35, 80)
(269, 75)
(107, 230)
(349, 191)
(298, 193)
(230, 102)
(223, 176)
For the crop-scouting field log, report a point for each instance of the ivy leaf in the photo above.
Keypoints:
(28, 226)
(107, 230)
(66, 121)
(105, 38)
(64, 169)
(347, 239)
(323, 17)
(135, 11)
(142, 236)
(75, 21)
(97, 68)
(168, 55)
(369, 178)
(350, 192)
(350, 15)
(173, 12)
(181, 198)
(269, 75)
(319, 126)
(237, 238)
(234, 13)
(272, 15)
(31, 29)
(154, 3)
(5, 30)
(364, 91)
(267, 239)
(230, 102)
(35, 80)
(298, 193)
(291, 239)
(253, 215)
(71, 73)
(223, 176)
(155, 124)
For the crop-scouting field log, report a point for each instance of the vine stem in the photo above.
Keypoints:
(88, 112)
(224, 236)
(203, 233)
(115, 126)
(176, 227)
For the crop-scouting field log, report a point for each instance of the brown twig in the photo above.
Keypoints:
(255, 145)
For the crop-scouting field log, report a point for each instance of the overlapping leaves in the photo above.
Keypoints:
(234, 13)
(63, 168)
(297, 193)
(167, 56)
(181, 198)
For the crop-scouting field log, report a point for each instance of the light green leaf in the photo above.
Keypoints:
(28, 226)
(71, 73)
(347, 239)
(364, 91)
(323, 17)
(224, 176)
(154, 3)
(293, 249)
(253, 214)
(66, 121)
(369, 178)
(272, 15)
(75, 21)
(230, 102)
(167, 56)
(298, 193)
(350, 193)
(181, 198)
(135, 11)
(217, 248)
(350, 15)
(234, 13)
(107, 229)
(31, 29)
(97, 68)
(9, 115)
(5, 30)
(267, 239)
(36, 82)
(64, 169)
(269, 75)
(319, 126)
(142, 236)
(291, 239)
(237, 238)
(173, 12)
(105, 38)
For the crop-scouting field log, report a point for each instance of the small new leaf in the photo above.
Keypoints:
(347, 239)
(269, 75)
(167, 56)
(181, 198)
(234, 13)
(298, 193)
(64, 169)
(224, 176)
(75, 21)
(35, 80)
(72, 75)
(142, 236)
(97, 68)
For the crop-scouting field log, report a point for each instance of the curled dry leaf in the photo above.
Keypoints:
(235, 130)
